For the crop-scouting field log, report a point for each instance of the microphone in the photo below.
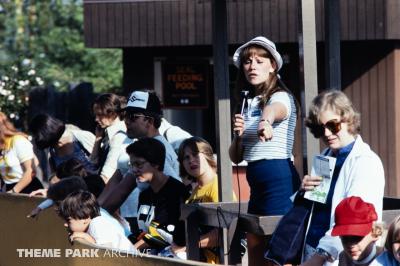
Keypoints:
(244, 94)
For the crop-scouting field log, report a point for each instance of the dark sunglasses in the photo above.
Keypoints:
(334, 126)
(133, 116)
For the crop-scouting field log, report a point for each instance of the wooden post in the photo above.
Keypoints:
(222, 108)
(308, 71)
(332, 45)
(222, 98)
(192, 236)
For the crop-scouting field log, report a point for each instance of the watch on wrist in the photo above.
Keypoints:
(265, 120)
(324, 254)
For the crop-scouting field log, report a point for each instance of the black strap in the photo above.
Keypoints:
(165, 134)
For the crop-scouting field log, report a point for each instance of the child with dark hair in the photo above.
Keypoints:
(142, 149)
(163, 197)
(56, 193)
(81, 212)
(64, 141)
(73, 167)
(59, 191)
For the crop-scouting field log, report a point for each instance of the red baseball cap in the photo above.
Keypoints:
(354, 217)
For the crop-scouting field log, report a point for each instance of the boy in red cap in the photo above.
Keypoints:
(354, 223)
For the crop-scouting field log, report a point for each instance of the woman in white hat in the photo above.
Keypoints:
(264, 133)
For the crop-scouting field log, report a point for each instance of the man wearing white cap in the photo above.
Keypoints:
(142, 116)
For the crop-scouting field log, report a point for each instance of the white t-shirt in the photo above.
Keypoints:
(18, 149)
(124, 225)
(116, 134)
(171, 164)
(281, 144)
(108, 235)
(173, 134)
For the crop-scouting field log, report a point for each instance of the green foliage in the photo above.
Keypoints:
(49, 33)
(15, 84)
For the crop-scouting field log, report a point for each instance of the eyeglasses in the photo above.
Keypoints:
(137, 164)
(333, 126)
(133, 116)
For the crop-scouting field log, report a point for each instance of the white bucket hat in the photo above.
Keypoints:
(263, 42)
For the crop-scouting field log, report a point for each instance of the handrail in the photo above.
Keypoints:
(225, 215)
(44, 241)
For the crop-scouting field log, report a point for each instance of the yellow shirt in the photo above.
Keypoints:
(206, 193)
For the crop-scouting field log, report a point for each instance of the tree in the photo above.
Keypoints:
(49, 34)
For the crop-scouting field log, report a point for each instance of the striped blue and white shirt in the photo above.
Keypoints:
(281, 144)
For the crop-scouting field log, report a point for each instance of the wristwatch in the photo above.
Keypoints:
(324, 254)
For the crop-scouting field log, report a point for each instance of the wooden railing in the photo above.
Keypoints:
(47, 232)
(44, 241)
(227, 217)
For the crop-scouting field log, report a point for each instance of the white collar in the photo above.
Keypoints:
(116, 126)
(367, 259)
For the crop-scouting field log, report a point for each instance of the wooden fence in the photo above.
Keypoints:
(72, 107)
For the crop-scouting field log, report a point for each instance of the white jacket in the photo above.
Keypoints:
(361, 175)
(116, 134)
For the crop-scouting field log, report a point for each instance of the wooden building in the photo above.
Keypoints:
(154, 33)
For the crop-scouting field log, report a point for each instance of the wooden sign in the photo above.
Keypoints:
(185, 84)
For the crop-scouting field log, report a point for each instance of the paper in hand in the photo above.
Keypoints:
(323, 166)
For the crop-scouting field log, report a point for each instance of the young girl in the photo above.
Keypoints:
(391, 257)
(16, 160)
(197, 162)
(264, 134)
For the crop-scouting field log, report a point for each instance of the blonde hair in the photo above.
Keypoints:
(337, 102)
(7, 130)
(377, 229)
(196, 145)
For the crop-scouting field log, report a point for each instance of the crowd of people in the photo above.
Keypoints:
(123, 186)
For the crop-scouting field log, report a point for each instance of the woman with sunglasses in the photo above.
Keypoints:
(358, 172)
(264, 134)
